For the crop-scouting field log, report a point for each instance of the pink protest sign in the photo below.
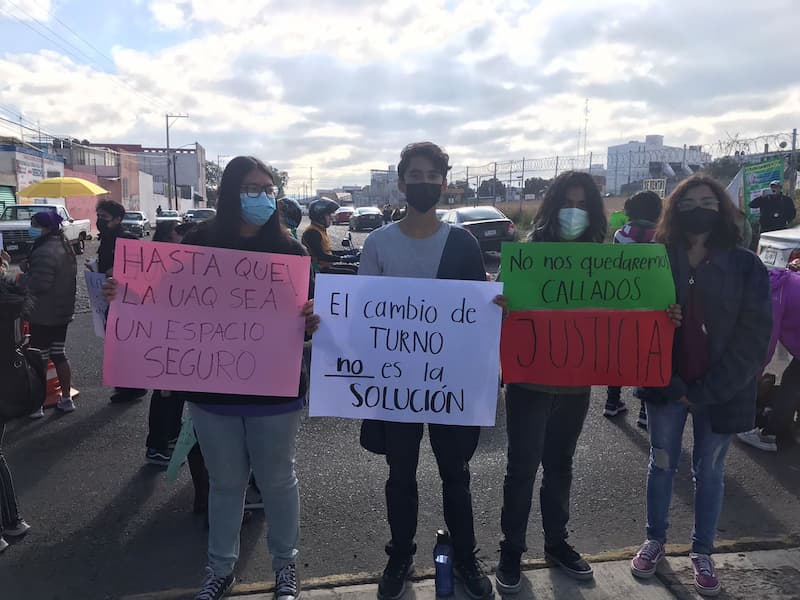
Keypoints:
(203, 319)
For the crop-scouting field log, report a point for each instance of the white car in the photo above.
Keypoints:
(168, 215)
(135, 222)
(777, 249)
(16, 220)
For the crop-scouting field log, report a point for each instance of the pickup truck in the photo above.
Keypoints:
(16, 220)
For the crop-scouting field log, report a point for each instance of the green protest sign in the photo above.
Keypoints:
(756, 180)
(561, 276)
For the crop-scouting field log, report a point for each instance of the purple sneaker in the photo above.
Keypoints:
(706, 581)
(645, 563)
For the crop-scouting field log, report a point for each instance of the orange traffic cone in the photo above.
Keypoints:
(54, 387)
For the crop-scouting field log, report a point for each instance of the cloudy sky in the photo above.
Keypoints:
(342, 85)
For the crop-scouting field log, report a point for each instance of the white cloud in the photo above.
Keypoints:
(343, 85)
(25, 10)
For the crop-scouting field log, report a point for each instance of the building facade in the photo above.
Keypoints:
(23, 165)
(651, 159)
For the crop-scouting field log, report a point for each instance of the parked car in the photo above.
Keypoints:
(368, 218)
(16, 220)
(441, 212)
(136, 222)
(777, 249)
(342, 216)
(198, 215)
(489, 226)
(168, 215)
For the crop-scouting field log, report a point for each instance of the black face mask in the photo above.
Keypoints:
(698, 220)
(102, 225)
(423, 196)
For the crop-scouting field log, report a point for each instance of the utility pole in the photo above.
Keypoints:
(167, 118)
(311, 180)
(494, 183)
(556, 175)
(630, 165)
(522, 191)
(585, 125)
(793, 163)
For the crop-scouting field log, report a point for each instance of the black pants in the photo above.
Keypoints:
(9, 513)
(453, 447)
(786, 402)
(542, 429)
(164, 420)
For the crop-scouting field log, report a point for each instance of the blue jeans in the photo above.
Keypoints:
(232, 446)
(665, 424)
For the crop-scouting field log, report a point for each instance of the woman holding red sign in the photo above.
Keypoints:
(544, 422)
(718, 353)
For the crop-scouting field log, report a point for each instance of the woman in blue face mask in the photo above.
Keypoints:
(243, 434)
(50, 276)
(544, 422)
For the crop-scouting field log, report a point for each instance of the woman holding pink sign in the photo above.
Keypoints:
(243, 433)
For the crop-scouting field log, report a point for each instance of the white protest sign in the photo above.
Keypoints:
(94, 287)
(406, 350)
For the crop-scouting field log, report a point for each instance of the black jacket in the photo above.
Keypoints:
(777, 211)
(737, 312)
(108, 242)
(204, 235)
(51, 279)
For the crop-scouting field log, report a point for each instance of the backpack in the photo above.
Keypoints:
(22, 369)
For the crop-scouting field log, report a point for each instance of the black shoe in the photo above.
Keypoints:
(215, 587)
(286, 585)
(157, 457)
(393, 581)
(477, 585)
(508, 576)
(564, 556)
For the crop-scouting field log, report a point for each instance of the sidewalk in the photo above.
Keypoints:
(748, 575)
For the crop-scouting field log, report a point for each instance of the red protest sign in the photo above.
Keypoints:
(587, 347)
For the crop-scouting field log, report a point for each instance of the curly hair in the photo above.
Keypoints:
(726, 233)
(546, 219)
(429, 150)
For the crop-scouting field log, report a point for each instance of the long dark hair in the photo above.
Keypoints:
(546, 221)
(725, 235)
(272, 237)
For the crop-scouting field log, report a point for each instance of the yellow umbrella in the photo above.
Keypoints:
(62, 187)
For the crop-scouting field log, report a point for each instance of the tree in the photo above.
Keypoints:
(492, 188)
(213, 177)
(724, 169)
(536, 185)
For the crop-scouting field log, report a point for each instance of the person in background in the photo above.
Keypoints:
(109, 219)
(643, 210)
(291, 214)
(315, 239)
(718, 355)
(785, 401)
(166, 409)
(239, 434)
(777, 209)
(421, 246)
(12, 303)
(159, 210)
(545, 422)
(50, 276)
(387, 213)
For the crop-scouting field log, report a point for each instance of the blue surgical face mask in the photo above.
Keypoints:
(35, 233)
(572, 223)
(258, 210)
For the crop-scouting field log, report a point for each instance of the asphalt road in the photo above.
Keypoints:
(107, 525)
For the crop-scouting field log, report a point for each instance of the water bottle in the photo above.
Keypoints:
(443, 561)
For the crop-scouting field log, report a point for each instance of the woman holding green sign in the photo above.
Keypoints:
(544, 422)
(718, 353)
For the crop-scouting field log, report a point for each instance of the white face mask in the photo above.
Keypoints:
(572, 223)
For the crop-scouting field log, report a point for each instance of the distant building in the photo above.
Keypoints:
(383, 187)
(651, 159)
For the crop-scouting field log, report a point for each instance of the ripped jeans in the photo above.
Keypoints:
(665, 423)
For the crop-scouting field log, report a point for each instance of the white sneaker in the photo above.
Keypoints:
(757, 439)
(20, 529)
(37, 414)
(65, 405)
(3, 545)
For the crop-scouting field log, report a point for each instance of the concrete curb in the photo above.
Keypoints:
(351, 579)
